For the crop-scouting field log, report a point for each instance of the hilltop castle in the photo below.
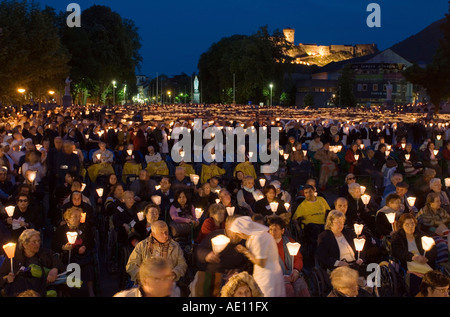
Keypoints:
(313, 54)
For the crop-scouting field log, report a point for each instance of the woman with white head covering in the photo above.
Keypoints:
(261, 250)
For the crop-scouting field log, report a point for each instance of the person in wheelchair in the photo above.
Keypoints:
(407, 249)
(125, 217)
(345, 283)
(336, 247)
(434, 284)
(159, 243)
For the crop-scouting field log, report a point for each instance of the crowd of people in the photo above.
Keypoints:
(107, 178)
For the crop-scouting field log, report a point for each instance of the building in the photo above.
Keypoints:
(371, 73)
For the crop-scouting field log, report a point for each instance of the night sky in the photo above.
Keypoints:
(175, 33)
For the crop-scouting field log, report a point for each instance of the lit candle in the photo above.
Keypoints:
(358, 228)
(198, 213)
(411, 201)
(32, 176)
(359, 244)
(83, 217)
(438, 137)
(427, 243)
(219, 243)
(391, 218)
(286, 156)
(407, 156)
(99, 192)
(387, 153)
(274, 206)
(194, 178)
(262, 182)
(287, 206)
(156, 199)
(436, 152)
(10, 210)
(157, 187)
(356, 157)
(129, 152)
(363, 190)
(365, 199)
(83, 187)
(140, 215)
(447, 182)
(230, 211)
(10, 251)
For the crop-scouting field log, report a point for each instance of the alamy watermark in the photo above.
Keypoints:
(259, 147)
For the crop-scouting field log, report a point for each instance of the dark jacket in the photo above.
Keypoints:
(263, 207)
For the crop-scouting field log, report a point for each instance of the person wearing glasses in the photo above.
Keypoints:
(155, 279)
(434, 284)
(349, 179)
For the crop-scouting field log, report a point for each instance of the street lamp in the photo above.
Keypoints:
(21, 91)
(114, 92)
(169, 93)
(271, 86)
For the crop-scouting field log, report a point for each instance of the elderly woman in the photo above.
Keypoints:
(81, 252)
(261, 249)
(155, 163)
(246, 196)
(215, 221)
(241, 285)
(29, 252)
(76, 200)
(335, 245)
(205, 197)
(432, 215)
(160, 244)
(406, 247)
(102, 159)
(436, 187)
(345, 282)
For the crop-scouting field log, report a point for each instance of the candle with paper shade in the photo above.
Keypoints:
(129, 152)
(262, 182)
(403, 145)
(281, 152)
(391, 218)
(438, 137)
(407, 157)
(71, 238)
(10, 210)
(274, 206)
(156, 199)
(358, 228)
(305, 152)
(293, 248)
(219, 243)
(140, 215)
(447, 182)
(411, 201)
(217, 201)
(98, 156)
(158, 187)
(387, 153)
(250, 155)
(198, 213)
(365, 199)
(99, 192)
(230, 211)
(194, 178)
(427, 244)
(287, 206)
(356, 156)
(10, 251)
(363, 190)
(32, 176)
(83, 187)
(359, 244)
(83, 217)
(286, 156)
(435, 152)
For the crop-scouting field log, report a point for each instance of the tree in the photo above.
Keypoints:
(345, 96)
(308, 100)
(31, 53)
(435, 77)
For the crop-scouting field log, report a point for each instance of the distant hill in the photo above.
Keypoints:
(420, 48)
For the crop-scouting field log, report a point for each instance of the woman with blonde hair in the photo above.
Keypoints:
(241, 285)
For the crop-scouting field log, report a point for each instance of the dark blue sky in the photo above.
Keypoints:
(175, 33)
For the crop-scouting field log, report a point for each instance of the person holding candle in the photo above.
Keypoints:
(24, 217)
(246, 196)
(264, 207)
(33, 163)
(432, 215)
(165, 191)
(351, 157)
(125, 216)
(215, 221)
(261, 250)
(142, 229)
(102, 160)
(357, 211)
(299, 169)
(182, 214)
(431, 158)
(158, 244)
(76, 200)
(294, 281)
(335, 246)
(393, 205)
(155, 164)
(131, 160)
(411, 164)
(406, 247)
(82, 251)
(204, 198)
(143, 187)
(29, 251)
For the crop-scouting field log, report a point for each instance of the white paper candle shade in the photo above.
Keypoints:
(274, 206)
(427, 243)
(83, 187)
(98, 156)
(287, 206)
(217, 201)
(391, 217)
(365, 199)
(286, 156)
(72, 236)
(359, 244)
(157, 187)
(250, 155)
(99, 192)
(356, 157)
(358, 228)
(140, 215)
(83, 217)
(262, 182)
(198, 213)
(32, 176)
(194, 178)
(10, 210)
(447, 182)
(156, 199)
(281, 152)
(436, 152)
(403, 145)
(129, 152)
(407, 157)
(438, 137)
(293, 248)
(363, 190)
(230, 211)
(10, 249)
(387, 153)
(219, 243)
(305, 152)
(411, 201)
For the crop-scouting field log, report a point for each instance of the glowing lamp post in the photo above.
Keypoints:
(358, 229)
(230, 211)
(10, 210)
(391, 218)
(359, 244)
(71, 238)
(219, 243)
(10, 250)
(274, 206)
(293, 248)
(427, 244)
(156, 199)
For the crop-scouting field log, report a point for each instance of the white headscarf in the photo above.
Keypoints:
(247, 226)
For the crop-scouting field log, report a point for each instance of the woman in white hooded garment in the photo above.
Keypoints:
(261, 250)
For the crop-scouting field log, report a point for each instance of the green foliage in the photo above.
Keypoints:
(345, 96)
(256, 60)
(31, 53)
(309, 101)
